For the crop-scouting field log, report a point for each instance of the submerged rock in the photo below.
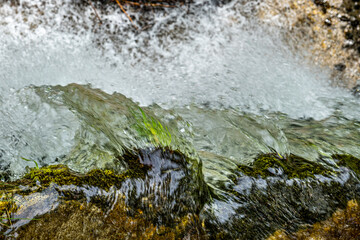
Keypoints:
(74, 220)
(158, 196)
(170, 188)
(349, 161)
(343, 224)
(112, 124)
(278, 192)
(277, 165)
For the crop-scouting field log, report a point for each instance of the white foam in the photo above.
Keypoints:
(214, 56)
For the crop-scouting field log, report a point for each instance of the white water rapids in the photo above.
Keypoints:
(216, 56)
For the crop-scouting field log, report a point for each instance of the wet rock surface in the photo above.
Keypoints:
(327, 29)
(356, 91)
(170, 188)
(275, 198)
(343, 225)
(87, 221)
(158, 196)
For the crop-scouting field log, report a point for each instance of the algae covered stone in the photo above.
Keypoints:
(348, 161)
(342, 225)
(282, 192)
(273, 164)
(158, 196)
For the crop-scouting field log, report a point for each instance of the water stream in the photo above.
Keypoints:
(225, 88)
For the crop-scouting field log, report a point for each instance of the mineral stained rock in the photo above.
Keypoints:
(327, 29)
(343, 224)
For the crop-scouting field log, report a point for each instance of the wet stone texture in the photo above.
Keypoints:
(74, 220)
(272, 197)
(342, 225)
(169, 189)
(158, 197)
(328, 30)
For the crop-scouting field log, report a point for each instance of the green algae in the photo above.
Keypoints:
(7, 206)
(28, 160)
(348, 161)
(293, 166)
(151, 128)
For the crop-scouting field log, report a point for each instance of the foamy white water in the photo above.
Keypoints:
(215, 57)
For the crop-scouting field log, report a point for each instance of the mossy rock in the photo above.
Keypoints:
(62, 175)
(266, 204)
(292, 166)
(294, 198)
(74, 220)
(102, 178)
(348, 161)
(344, 224)
(160, 190)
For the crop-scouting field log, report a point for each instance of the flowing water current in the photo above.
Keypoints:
(212, 83)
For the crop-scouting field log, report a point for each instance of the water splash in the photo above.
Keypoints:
(217, 57)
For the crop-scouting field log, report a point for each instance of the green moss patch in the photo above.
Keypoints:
(348, 161)
(293, 166)
(62, 175)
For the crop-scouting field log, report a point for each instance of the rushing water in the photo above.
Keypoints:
(226, 88)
